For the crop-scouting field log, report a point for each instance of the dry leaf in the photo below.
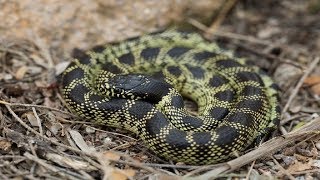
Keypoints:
(301, 158)
(5, 145)
(167, 177)
(21, 72)
(115, 175)
(68, 162)
(31, 118)
(78, 139)
(111, 155)
(34, 70)
(118, 174)
(312, 80)
(38, 60)
(60, 115)
(54, 128)
(60, 67)
(298, 166)
(316, 89)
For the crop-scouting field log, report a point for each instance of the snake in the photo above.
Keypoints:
(141, 85)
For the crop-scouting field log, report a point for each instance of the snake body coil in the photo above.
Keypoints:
(138, 85)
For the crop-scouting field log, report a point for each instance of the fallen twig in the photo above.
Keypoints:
(283, 170)
(295, 91)
(229, 35)
(221, 16)
(36, 106)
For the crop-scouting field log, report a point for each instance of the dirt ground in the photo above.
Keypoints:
(41, 139)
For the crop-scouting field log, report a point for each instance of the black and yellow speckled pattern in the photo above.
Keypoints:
(138, 85)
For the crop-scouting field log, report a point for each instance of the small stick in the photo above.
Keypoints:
(299, 84)
(113, 133)
(221, 16)
(306, 171)
(36, 106)
(38, 120)
(63, 173)
(41, 162)
(283, 170)
(269, 56)
(229, 35)
(249, 172)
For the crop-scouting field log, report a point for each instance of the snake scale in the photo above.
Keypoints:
(139, 85)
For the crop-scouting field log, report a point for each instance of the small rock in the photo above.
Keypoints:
(107, 140)
(308, 177)
(55, 128)
(295, 109)
(5, 76)
(286, 74)
(278, 156)
(255, 175)
(288, 160)
(90, 130)
(318, 145)
(269, 163)
(34, 70)
(300, 178)
(60, 67)
(267, 32)
(316, 163)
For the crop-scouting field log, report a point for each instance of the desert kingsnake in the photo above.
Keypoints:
(138, 85)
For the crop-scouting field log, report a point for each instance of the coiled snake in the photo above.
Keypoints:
(138, 85)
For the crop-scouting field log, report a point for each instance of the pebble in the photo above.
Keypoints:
(288, 160)
(318, 145)
(90, 130)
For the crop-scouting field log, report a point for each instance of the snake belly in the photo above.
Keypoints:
(139, 85)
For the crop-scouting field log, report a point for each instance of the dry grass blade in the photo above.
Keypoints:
(295, 91)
